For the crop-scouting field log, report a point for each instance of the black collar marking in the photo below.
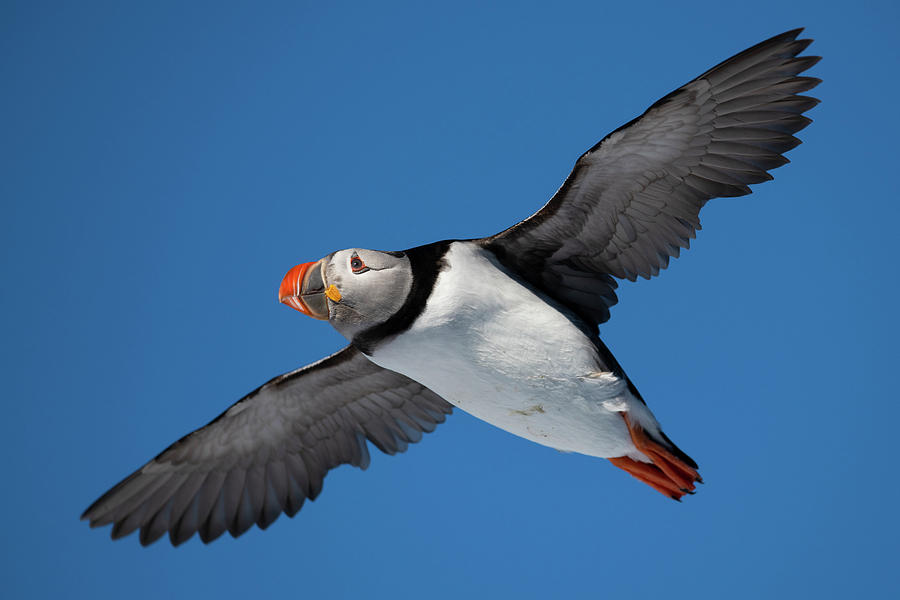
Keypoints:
(426, 263)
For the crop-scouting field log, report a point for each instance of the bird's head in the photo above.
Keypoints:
(353, 289)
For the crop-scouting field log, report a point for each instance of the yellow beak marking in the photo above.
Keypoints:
(333, 294)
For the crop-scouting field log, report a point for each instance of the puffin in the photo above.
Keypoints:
(504, 327)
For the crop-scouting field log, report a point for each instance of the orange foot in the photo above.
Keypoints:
(668, 474)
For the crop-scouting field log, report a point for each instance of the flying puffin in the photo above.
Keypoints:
(503, 327)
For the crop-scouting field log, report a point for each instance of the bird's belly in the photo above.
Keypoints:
(569, 412)
(509, 358)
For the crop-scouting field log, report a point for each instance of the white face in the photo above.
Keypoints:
(373, 286)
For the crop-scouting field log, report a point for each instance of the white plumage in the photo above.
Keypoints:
(494, 348)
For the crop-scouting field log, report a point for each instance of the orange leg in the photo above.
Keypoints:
(668, 474)
(648, 474)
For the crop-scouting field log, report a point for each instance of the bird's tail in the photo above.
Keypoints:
(671, 472)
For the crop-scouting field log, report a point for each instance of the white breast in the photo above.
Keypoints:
(492, 347)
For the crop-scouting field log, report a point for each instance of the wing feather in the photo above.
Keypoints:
(270, 452)
(632, 202)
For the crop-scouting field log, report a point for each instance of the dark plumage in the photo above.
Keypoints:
(634, 199)
(270, 451)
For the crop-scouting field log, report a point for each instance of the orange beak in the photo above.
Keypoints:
(303, 289)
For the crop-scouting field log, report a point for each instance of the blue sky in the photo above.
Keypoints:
(165, 164)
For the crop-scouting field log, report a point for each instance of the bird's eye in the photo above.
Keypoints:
(357, 265)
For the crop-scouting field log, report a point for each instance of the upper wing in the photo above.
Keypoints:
(633, 200)
(270, 451)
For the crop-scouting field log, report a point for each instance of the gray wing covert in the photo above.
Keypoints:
(270, 451)
(633, 200)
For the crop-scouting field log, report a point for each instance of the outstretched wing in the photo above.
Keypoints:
(633, 200)
(270, 451)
